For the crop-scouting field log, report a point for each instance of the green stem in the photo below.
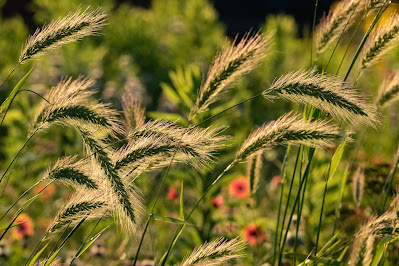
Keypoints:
(359, 49)
(322, 209)
(282, 174)
(389, 184)
(313, 31)
(12, 71)
(311, 152)
(181, 228)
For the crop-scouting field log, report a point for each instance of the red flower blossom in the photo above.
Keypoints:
(217, 201)
(172, 194)
(239, 187)
(275, 181)
(22, 230)
(253, 234)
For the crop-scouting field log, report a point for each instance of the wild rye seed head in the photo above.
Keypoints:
(388, 93)
(325, 92)
(385, 38)
(133, 111)
(254, 165)
(72, 104)
(124, 195)
(358, 186)
(197, 145)
(217, 252)
(289, 129)
(339, 18)
(75, 174)
(92, 204)
(229, 65)
(71, 28)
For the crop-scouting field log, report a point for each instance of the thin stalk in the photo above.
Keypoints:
(322, 209)
(389, 185)
(313, 31)
(12, 71)
(282, 176)
(311, 152)
(340, 37)
(20, 197)
(20, 211)
(289, 193)
(300, 200)
(58, 240)
(16, 156)
(359, 49)
(181, 228)
(351, 40)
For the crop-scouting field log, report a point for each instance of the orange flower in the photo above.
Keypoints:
(239, 187)
(172, 194)
(22, 230)
(47, 193)
(217, 201)
(275, 181)
(253, 234)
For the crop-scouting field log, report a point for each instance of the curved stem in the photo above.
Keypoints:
(12, 71)
(20, 197)
(16, 156)
(313, 31)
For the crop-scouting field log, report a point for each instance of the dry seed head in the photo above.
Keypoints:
(229, 65)
(371, 4)
(91, 204)
(217, 252)
(133, 111)
(385, 38)
(71, 103)
(70, 173)
(128, 204)
(325, 92)
(71, 28)
(289, 129)
(388, 92)
(337, 20)
(42, 262)
(254, 165)
(358, 186)
(196, 146)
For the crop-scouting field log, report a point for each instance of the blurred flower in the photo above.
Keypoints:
(217, 201)
(23, 230)
(275, 181)
(47, 193)
(239, 187)
(172, 194)
(253, 234)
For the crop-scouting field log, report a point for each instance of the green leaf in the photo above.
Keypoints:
(315, 259)
(181, 202)
(87, 244)
(4, 227)
(36, 257)
(52, 258)
(165, 256)
(170, 93)
(159, 217)
(14, 92)
(379, 253)
(26, 204)
(336, 159)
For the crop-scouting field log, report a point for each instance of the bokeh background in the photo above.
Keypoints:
(148, 47)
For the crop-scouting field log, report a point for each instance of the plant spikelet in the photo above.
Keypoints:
(71, 103)
(133, 111)
(89, 204)
(289, 129)
(66, 171)
(381, 42)
(327, 93)
(254, 165)
(71, 28)
(337, 20)
(358, 186)
(388, 93)
(196, 145)
(217, 252)
(126, 199)
(42, 262)
(229, 65)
